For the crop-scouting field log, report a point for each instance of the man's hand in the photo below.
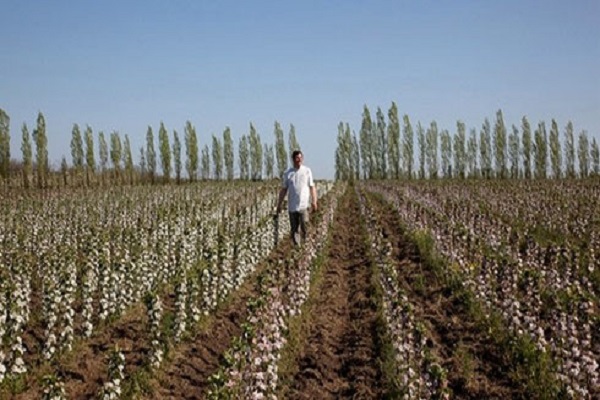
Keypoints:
(314, 206)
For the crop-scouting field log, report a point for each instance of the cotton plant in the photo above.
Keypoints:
(155, 311)
(112, 390)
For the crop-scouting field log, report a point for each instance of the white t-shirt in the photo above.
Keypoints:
(298, 183)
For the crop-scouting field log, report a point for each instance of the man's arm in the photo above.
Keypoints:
(313, 195)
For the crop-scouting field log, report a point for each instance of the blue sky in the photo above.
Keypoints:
(124, 65)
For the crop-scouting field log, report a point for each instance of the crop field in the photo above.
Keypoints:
(432, 289)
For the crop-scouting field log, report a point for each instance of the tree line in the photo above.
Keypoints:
(385, 149)
(112, 163)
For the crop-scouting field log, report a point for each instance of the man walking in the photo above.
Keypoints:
(298, 183)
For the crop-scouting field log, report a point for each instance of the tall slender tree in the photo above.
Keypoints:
(128, 160)
(569, 151)
(555, 151)
(500, 146)
(527, 147)
(41, 146)
(228, 153)
(269, 160)
(514, 152)
(431, 142)
(380, 142)
(4, 145)
(393, 142)
(151, 154)
(583, 154)
(103, 153)
(217, 156)
(90, 159)
(460, 157)
(367, 145)
(408, 147)
(540, 151)
(446, 153)
(27, 151)
(191, 148)
(422, 149)
(472, 154)
(356, 156)
(485, 149)
(177, 156)
(243, 157)
(282, 157)
(292, 140)
(595, 158)
(143, 164)
(205, 163)
(77, 152)
(116, 155)
(165, 152)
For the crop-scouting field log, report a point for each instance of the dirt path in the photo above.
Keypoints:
(339, 358)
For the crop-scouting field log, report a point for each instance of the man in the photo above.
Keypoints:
(298, 183)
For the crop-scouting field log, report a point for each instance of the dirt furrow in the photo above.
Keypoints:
(339, 359)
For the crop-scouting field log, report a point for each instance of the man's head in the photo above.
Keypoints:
(297, 158)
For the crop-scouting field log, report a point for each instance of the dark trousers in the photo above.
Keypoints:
(298, 224)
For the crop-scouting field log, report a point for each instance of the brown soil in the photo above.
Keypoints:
(339, 356)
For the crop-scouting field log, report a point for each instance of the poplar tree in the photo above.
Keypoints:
(292, 141)
(116, 154)
(256, 156)
(513, 152)
(217, 156)
(472, 154)
(367, 144)
(393, 142)
(583, 154)
(27, 151)
(595, 157)
(41, 146)
(143, 167)
(165, 152)
(282, 157)
(459, 150)
(89, 155)
(77, 151)
(380, 153)
(422, 150)
(356, 156)
(151, 154)
(269, 160)
(191, 149)
(527, 147)
(555, 151)
(205, 163)
(446, 153)
(569, 151)
(432, 150)
(228, 153)
(128, 159)
(408, 147)
(540, 151)
(485, 149)
(243, 157)
(177, 156)
(344, 153)
(500, 146)
(103, 152)
(4, 145)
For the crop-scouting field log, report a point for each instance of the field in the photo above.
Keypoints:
(403, 290)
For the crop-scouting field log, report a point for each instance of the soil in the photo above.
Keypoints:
(340, 353)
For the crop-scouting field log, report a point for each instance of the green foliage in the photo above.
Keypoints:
(27, 156)
(281, 153)
(527, 147)
(555, 151)
(4, 145)
(217, 156)
(228, 153)
(408, 147)
(191, 146)
(177, 156)
(500, 146)
(393, 142)
(151, 154)
(583, 154)
(165, 151)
